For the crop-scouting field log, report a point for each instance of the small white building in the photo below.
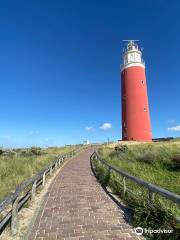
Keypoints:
(87, 142)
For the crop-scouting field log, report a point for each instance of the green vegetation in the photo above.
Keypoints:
(16, 165)
(158, 163)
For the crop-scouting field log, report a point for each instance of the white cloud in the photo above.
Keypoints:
(175, 128)
(46, 139)
(106, 126)
(89, 129)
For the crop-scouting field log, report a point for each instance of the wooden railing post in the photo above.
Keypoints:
(124, 186)
(108, 175)
(150, 197)
(109, 172)
(14, 216)
(18, 201)
(44, 179)
(33, 191)
(55, 165)
(50, 171)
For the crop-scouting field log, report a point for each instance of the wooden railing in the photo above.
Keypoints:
(26, 191)
(152, 188)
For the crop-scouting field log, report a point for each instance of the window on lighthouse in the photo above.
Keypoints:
(137, 57)
(133, 57)
(130, 57)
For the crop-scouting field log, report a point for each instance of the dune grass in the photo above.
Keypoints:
(151, 162)
(157, 163)
(21, 164)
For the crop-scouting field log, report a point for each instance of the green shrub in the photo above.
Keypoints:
(118, 152)
(36, 151)
(146, 157)
(1, 152)
(176, 162)
(24, 152)
(33, 151)
(7, 152)
(121, 148)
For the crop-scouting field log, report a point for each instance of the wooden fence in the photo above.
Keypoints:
(26, 191)
(152, 188)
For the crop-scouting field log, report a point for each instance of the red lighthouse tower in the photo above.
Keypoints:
(135, 110)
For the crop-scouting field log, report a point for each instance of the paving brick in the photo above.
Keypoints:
(77, 208)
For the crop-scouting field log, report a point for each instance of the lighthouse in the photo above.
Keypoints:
(136, 124)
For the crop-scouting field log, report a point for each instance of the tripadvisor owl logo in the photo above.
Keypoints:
(138, 230)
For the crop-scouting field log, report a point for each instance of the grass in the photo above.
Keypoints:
(158, 163)
(151, 162)
(20, 164)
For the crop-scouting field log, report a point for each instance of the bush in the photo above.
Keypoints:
(7, 152)
(24, 152)
(119, 151)
(1, 152)
(175, 162)
(33, 151)
(121, 148)
(147, 157)
(36, 151)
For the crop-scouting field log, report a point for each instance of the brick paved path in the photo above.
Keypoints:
(76, 207)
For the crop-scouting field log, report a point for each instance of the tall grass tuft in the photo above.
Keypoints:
(15, 168)
(157, 163)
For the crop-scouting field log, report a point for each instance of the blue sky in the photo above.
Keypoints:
(59, 68)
